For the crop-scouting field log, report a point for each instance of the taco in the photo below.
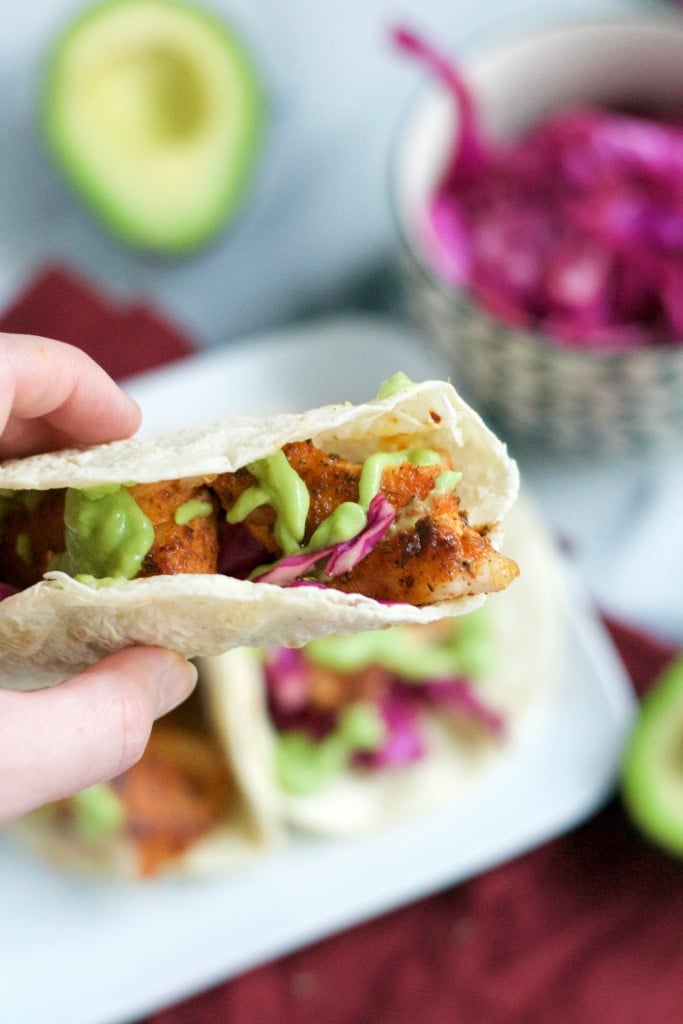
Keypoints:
(342, 519)
(353, 733)
(183, 808)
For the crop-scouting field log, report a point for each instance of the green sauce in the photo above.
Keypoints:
(362, 727)
(101, 490)
(395, 385)
(374, 466)
(280, 486)
(93, 581)
(97, 811)
(193, 509)
(447, 481)
(304, 764)
(107, 533)
(467, 650)
(346, 521)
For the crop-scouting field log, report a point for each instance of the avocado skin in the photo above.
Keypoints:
(652, 764)
(109, 204)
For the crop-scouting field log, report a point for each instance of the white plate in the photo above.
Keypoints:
(81, 952)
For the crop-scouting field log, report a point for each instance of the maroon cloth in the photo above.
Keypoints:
(125, 339)
(586, 929)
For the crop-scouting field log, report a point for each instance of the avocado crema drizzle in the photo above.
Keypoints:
(108, 535)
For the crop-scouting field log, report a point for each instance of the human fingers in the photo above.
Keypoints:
(52, 393)
(58, 741)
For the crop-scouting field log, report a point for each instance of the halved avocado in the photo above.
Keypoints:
(652, 769)
(154, 111)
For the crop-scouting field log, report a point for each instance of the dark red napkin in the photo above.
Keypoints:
(587, 929)
(125, 339)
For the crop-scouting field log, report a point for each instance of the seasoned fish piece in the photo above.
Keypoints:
(330, 480)
(178, 791)
(437, 558)
(183, 547)
(430, 554)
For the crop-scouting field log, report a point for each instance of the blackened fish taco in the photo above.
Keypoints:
(251, 532)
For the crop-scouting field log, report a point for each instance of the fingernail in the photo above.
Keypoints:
(176, 683)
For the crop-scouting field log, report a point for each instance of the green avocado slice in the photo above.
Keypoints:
(652, 768)
(154, 112)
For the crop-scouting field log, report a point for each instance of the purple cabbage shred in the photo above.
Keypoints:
(573, 230)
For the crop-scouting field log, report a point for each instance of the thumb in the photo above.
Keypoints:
(93, 727)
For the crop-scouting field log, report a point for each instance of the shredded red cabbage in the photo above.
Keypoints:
(288, 678)
(340, 557)
(6, 590)
(317, 723)
(286, 572)
(346, 555)
(574, 230)
(288, 683)
(471, 151)
(403, 743)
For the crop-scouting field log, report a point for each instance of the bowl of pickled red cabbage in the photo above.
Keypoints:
(537, 188)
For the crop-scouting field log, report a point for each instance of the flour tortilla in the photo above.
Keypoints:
(248, 830)
(57, 627)
(526, 625)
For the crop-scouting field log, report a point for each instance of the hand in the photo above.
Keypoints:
(55, 742)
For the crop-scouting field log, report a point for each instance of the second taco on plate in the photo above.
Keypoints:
(352, 733)
(184, 808)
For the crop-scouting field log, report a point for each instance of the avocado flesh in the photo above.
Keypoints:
(652, 769)
(154, 113)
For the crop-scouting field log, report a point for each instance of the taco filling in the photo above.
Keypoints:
(390, 528)
(359, 703)
(253, 532)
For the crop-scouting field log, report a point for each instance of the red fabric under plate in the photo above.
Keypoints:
(587, 929)
(125, 339)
